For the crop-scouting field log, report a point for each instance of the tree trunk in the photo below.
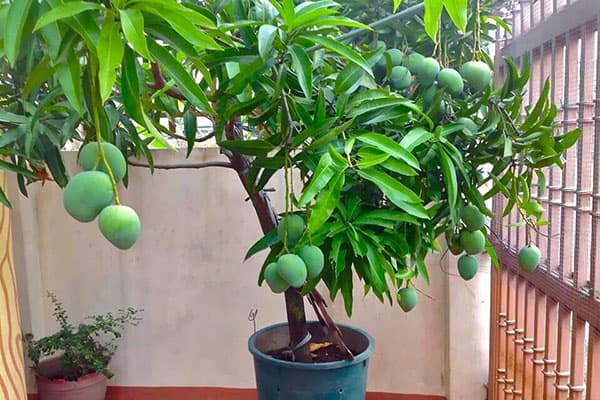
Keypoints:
(294, 302)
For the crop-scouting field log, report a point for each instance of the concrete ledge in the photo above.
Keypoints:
(215, 393)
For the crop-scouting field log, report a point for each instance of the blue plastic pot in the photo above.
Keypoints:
(276, 379)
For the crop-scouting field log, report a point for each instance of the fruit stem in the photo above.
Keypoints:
(96, 118)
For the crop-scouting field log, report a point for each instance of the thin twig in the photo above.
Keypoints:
(222, 164)
(197, 140)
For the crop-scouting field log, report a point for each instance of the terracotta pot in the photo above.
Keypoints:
(88, 387)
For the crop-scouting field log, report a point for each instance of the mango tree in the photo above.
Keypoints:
(392, 137)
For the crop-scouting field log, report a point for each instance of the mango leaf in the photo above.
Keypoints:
(65, 11)
(18, 12)
(390, 147)
(4, 200)
(345, 282)
(190, 128)
(69, 76)
(132, 22)
(399, 167)
(130, 86)
(303, 68)
(16, 169)
(190, 89)
(248, 147)
(11, 118)
(451, 182)
(149, 125)
(433, 13)
(457, 10)
(422, 269)
(266, 35)
(415, 138)
(349, 79)
(263, 243)
(397, 4)
(319, 179)
(186, 28)
(392, 188)
(489, 248)
(110, 53)
(326, 202)
(341, 49)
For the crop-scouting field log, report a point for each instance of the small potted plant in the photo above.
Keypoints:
(72, 363)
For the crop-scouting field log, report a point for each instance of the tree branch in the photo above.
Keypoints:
(222, 164)
(159, 83)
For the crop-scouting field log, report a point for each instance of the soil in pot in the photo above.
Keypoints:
(321, 353)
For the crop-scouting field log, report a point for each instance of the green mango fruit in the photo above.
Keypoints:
(407, 298)
(89, 159)
(313, 258)
(295, 228)
(292, 269)
(86, 194)
(477, 74)
(274, 280)
(472, 242)
(473, 219)
(451, 81)
(467, 266)
(529, 258)
(120, 225)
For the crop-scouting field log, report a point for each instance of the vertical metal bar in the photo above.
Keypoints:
(576, 383)
(565, 117)
(539, 346)
(495, 283)
(529, 341)
(509, 363)
(593, 366)
(551, 261)
(502, 339)
(518, 340)
(550, 351)
(563, 360)
(595, 278)
(579, 175)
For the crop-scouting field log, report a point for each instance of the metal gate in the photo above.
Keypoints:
(545, 326)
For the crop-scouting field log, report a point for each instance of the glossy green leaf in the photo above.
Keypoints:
(320, 178)
(69, 76)
(65, 11)
(11, 118)
(349, 79)
(248, 147)
(130, 86)
(326, 202)
(132, 21)
(433, 13)
(190, 129)
(149, 125)
(387, 145)
(341, 49)
(110, 54)
(457, 10)
(397, 4)
(303, 67)
(266, 35)
(18, 12)
(188, 30)
(397, 192)
(451, 182)
(263, 243)
(16, 169)
(190, 89)
(415, 138)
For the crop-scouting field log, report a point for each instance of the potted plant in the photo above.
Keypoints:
(392, 141)
(72, 363)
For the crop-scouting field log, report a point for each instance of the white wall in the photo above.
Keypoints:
(186, 271)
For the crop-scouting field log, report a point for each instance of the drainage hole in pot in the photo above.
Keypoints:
(340, 390)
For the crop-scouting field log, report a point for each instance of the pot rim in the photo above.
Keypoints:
(90, 376)
(310, 366)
